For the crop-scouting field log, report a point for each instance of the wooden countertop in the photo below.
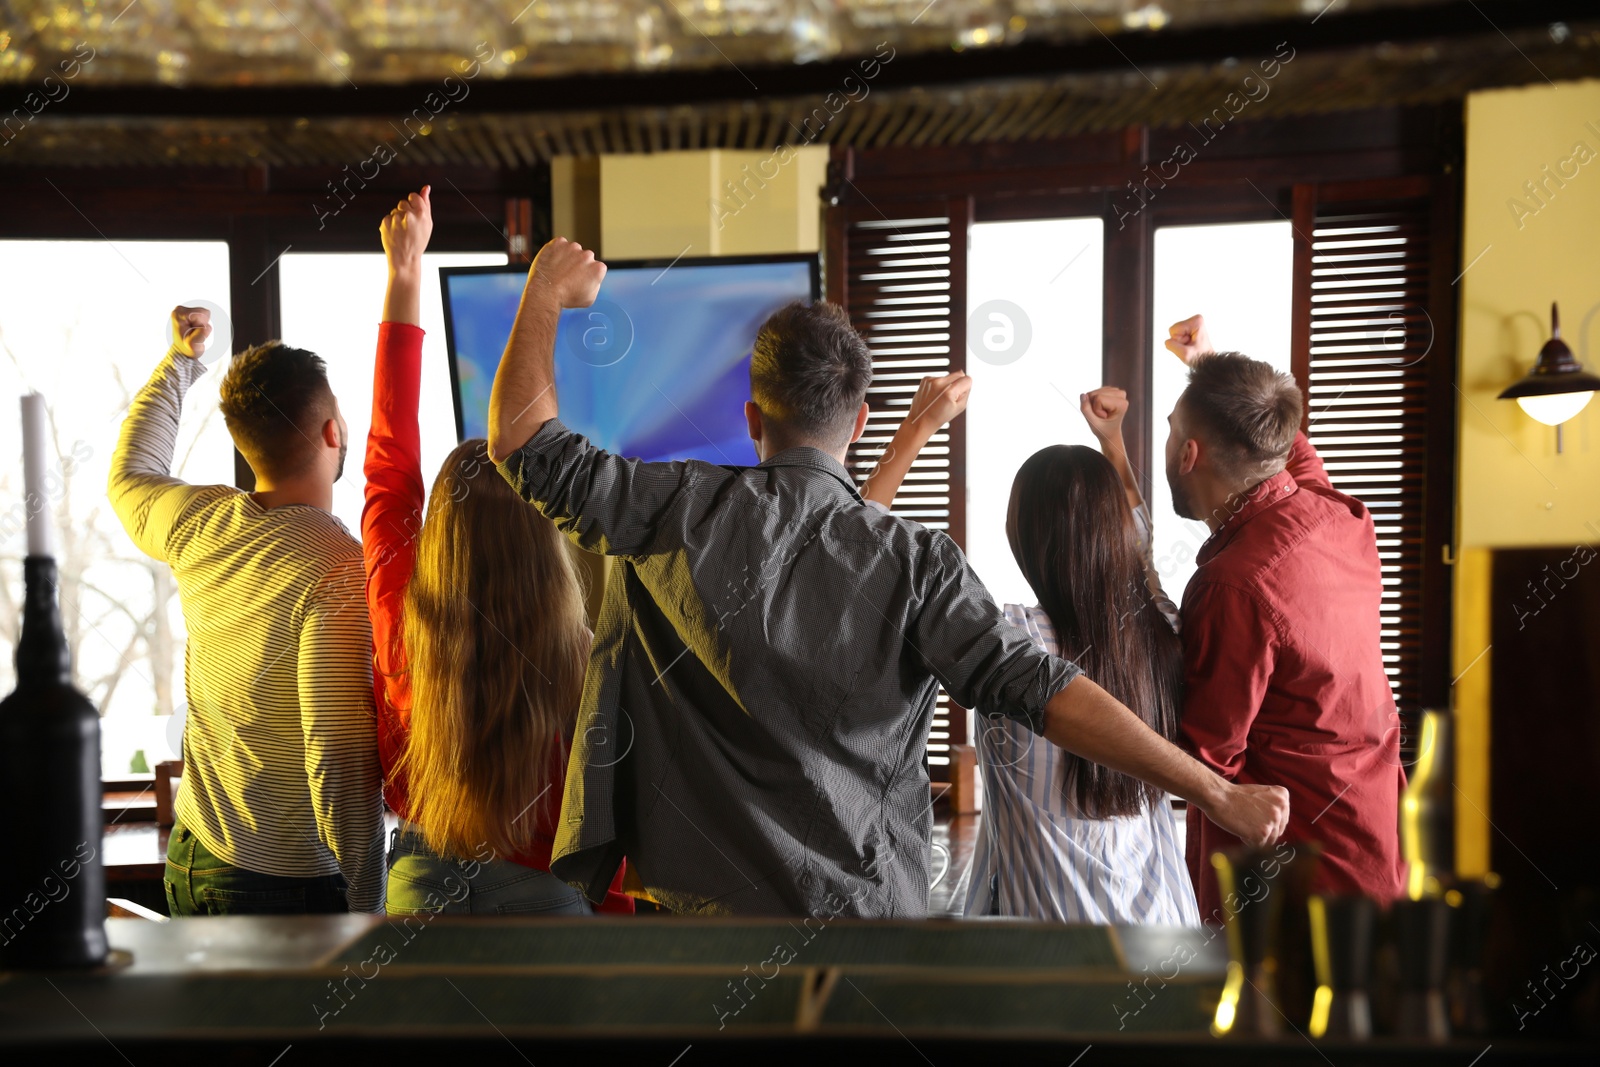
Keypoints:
(652, 991)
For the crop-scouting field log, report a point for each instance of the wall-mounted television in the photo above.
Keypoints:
(657, 369)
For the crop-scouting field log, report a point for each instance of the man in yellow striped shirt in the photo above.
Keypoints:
(279, 810)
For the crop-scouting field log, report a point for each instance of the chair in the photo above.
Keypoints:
(168, 772)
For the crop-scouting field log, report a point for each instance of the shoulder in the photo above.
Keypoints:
(1219, 601)
(202, 498)
(203, 506)
(1307, 525)
(331, 556)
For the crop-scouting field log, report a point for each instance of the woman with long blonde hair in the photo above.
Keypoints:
(480, 645)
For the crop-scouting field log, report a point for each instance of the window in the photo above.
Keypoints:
(1356, 298)
(85, 324)
(343, 330)
(1033, 346)
(1240, 277)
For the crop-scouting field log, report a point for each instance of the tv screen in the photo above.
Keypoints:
(657, 369)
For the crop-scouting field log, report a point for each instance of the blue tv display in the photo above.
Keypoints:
(657, 369)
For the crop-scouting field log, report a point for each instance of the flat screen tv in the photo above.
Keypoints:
(657, 369)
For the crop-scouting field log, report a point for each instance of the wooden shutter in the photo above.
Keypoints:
(1373, 347)
(901, 273)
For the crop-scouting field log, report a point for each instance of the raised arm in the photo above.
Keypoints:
(146, 497)
(341, 743)
(563, 275)
(392, 515)
(405, 232)
(1104, 409)
(1188, 339)
(1304, 465)
(939, 399)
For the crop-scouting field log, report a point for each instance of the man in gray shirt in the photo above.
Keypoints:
(769, 648)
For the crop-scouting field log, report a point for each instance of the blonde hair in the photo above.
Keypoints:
(496, 641)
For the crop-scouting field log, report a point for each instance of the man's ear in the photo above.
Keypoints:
(330, 432)
(1189, 458)
(861, 423)
(752, 418)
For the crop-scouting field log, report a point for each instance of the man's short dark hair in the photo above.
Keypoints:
(809, 373)
(275, 399)
(1246, 410)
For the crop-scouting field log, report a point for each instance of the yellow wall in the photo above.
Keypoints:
(711, 203)
(1520, 253)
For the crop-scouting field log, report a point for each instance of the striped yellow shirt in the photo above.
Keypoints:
(280, 751)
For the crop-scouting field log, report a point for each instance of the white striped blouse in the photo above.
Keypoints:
(1037, 856)
(280, 749)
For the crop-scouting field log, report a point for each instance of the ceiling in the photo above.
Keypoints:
(506, 83)
(357, 43)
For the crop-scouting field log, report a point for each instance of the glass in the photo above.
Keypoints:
(1034, 345)
(85, 323)
(343, 330)
(1239, 276)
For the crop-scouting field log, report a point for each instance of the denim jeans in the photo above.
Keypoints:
(198, 883)
(422, 882)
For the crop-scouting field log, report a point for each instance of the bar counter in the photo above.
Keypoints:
(326, 988)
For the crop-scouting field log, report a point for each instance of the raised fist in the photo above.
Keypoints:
(1189, 338)
(1103, 409)
(940, 398)
(191, 329)
(567, 271)
(406, 229)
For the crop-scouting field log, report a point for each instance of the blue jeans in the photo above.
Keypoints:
(422, 882)
(199, 883)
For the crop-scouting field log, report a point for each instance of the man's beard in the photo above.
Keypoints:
(1181, 504)
(344, 447)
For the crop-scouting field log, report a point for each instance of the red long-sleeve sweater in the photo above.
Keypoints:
(390, 523)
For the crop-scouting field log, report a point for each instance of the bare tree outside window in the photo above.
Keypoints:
(84, 323)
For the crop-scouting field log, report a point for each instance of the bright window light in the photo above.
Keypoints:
(344, 332)
(85, 323)
(1038, 280)
(1239, 276)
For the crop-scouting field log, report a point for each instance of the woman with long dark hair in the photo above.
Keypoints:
(481, 644)
(1062, 838)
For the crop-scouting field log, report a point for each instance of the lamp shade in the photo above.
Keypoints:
(1558, 387)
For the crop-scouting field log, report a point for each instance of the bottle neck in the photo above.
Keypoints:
(42, 655)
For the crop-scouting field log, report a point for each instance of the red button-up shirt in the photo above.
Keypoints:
(1285, 678)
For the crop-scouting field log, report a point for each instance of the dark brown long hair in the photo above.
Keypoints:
(497, 643)
(1073, 537)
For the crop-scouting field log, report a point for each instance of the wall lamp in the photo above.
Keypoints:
(1557, 387)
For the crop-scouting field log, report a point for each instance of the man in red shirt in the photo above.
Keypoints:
(1285, 678)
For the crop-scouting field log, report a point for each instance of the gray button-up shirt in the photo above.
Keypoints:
(765, 665)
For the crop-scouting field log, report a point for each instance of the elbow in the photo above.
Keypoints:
(500, 436)
(504, 441)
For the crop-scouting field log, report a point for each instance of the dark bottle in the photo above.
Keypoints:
(52, 883)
